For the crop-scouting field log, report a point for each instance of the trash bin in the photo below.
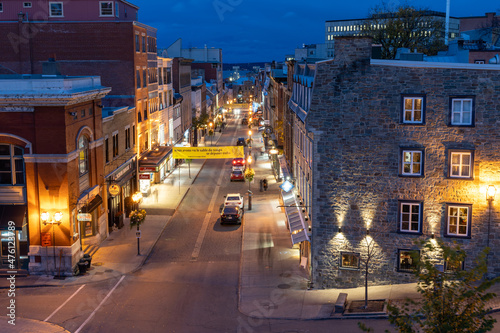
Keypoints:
(82, 266)
(88, 259)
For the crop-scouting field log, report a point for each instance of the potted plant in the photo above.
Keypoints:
(137, 218)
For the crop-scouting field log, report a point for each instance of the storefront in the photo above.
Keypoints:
(153, 168)
(121, 186)
(13, 237)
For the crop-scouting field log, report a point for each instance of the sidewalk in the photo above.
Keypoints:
(271, 284)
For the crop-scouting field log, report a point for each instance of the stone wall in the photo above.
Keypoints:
(356, 118)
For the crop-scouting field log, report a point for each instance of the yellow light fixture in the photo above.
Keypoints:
(56, 219)
(490, 193)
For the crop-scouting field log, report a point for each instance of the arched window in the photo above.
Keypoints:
(83, 160)
(11, 165)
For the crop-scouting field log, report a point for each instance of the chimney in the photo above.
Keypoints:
(51, 67)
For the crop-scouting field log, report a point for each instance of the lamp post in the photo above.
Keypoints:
(56, 219)
(211, 132)
(137, 197)
(250, 138)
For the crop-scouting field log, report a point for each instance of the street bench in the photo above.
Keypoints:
(341, 303)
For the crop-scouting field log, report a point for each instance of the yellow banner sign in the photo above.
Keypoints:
(208, 152)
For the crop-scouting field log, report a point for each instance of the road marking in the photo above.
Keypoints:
(100, 304)
(206, 220)
(59, 308)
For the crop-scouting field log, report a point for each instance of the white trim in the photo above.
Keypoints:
(112, 9)
(62, 8)
(425, 64)
(28, 144)
(51, 158)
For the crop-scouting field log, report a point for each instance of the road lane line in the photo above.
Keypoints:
(59, 308)
(206, 220)
(99, 306)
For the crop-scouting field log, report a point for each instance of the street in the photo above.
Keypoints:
(190, 281)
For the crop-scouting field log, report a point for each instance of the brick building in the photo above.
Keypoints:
(55, 187)
(401, 151)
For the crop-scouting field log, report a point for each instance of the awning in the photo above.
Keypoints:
(16, 213)
(296, 223)
(154, 158)
(92, 205)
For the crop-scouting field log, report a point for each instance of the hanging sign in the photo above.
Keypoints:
(114, 190)
(208, 152)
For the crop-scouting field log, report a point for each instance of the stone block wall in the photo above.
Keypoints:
(356, 118)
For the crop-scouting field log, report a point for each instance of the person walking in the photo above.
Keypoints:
(265, 184)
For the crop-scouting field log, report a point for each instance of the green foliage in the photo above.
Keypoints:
(200, 122)
(404, 26)
(452, 301)
(249, 174)
(137, 217)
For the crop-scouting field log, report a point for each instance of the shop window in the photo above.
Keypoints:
(349, 260)
(407, 260)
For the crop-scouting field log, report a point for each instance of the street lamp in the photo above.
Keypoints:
(211, 132)
(56, 219)
(273, 153)
(137, 197)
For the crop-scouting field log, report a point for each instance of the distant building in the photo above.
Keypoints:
(356, 27)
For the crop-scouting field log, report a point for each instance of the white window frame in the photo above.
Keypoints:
(410, 214)
(412, 162)
(116, 9)
(27, 4)
(56, 3)
(412, 110)
(457, 223)
(461, 111)
(112, 8)
(460, 164)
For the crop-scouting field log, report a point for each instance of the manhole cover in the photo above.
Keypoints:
(284, 286)
(97, 264)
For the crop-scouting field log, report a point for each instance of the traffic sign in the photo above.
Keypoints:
(138, 234)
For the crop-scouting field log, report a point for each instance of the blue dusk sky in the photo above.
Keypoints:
(265, 30)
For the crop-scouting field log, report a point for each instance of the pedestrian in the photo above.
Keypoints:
(265, 184)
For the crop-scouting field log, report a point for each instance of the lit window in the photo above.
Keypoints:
(458, 220)
(106, 8)
(407, 260)
(11, 165)
(349, 260)
(462, 111)
(412, 162)
(410, 217)
(461, 164)
(83, 147)
(454, 265)
(413, 110)
(56, 9)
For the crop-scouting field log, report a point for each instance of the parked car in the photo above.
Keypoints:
(233, 199)
(237, 174)
(240, 142)
(231, 214)
(238, 161)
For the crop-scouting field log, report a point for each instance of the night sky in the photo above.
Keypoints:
(258, 30)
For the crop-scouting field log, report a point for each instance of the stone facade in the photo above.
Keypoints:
(359, 134)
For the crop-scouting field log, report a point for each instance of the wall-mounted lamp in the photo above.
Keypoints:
(490, 193)
(340, 229)
(367, 231)
(56, 218)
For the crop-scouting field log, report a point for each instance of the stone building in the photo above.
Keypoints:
(401, 151)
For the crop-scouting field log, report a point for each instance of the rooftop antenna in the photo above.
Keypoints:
(447, 24)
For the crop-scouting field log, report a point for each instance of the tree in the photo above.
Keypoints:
(453, 300)
(404, 26)
(198, 123)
